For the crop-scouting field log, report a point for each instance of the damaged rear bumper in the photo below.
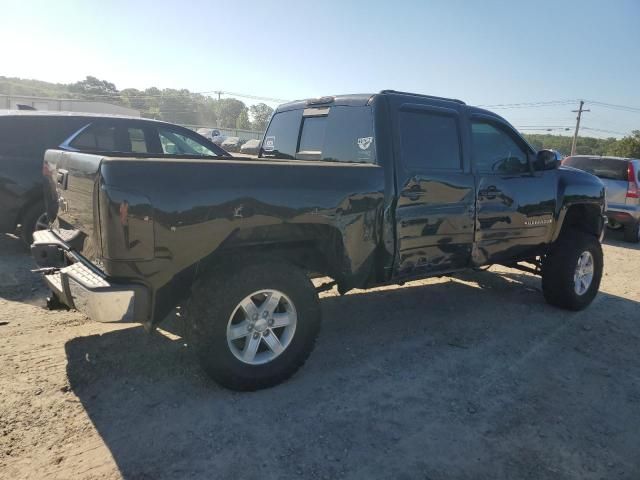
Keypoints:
(81, 285)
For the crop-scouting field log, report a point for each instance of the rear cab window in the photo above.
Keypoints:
(336, 133)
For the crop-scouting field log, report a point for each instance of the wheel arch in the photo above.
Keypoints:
(585, 217)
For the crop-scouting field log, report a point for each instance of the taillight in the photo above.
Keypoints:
(632, 187)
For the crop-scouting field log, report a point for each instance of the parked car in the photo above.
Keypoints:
(621, 178)
(25, 135)
(218, 139)
(250, 147)
(365, 189)
(208, 133)
(232, 144)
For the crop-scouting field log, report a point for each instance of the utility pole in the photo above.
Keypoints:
(575, 135)
(219, 93)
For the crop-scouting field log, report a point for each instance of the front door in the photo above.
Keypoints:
(515, 205)
(435, 210)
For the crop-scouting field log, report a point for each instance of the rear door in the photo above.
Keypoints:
(515, 204)
(436, 193)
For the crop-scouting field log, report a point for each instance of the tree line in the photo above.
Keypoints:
(168, 104)
(188, 108)
(628, 146)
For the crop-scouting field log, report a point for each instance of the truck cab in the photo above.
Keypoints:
(463, 187)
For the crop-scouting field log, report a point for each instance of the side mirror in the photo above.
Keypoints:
(547, 160)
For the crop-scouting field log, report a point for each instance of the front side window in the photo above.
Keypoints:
(495, 151)
(174, 143)
(429, 141)
(96, 137)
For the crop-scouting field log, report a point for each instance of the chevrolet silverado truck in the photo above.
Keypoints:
(365, 189)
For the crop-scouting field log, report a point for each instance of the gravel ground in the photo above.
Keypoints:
(472, 376)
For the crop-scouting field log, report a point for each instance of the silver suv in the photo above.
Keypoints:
(621, 178)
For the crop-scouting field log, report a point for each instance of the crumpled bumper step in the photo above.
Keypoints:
(80, 286)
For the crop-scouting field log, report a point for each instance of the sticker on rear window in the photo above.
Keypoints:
(269, 144)
(365, 142)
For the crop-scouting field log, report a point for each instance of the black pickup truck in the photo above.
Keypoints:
(365, 189)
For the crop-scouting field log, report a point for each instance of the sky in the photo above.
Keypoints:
(486, 52)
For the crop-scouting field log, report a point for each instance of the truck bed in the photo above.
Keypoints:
(166, 215)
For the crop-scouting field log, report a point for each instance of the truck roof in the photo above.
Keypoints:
(361, 99)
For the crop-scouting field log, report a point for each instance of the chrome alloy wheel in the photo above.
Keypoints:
(583, 275)
(261, 327)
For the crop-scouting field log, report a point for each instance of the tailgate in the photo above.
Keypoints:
(71, 197)
(616, 191)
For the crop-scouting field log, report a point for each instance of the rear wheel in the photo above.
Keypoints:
(34, 218)
(632, 232)
(572, 271)
(254, 327)
(613, 225)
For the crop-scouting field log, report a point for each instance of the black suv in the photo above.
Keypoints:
(25, 135)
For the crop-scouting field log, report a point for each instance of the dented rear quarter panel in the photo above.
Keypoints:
(199, 209)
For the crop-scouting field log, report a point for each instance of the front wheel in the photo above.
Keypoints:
(255, 326)
(572, 271)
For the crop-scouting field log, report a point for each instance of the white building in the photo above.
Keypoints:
(11, 102)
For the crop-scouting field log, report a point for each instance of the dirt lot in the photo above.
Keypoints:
(466, 377)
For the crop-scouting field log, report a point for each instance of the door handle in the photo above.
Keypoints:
(490, 192)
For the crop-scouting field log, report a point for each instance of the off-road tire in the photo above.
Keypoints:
(559, 266)
(29, 221)
(213, 300)
(632, 232)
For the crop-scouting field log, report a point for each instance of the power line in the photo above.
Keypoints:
(604, 131)
(551, 103)
(255, 97)
(624, 108)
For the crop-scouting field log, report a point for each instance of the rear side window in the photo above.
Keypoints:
(609, 168)
(335, 134)
(429, 141)
(96, 137)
